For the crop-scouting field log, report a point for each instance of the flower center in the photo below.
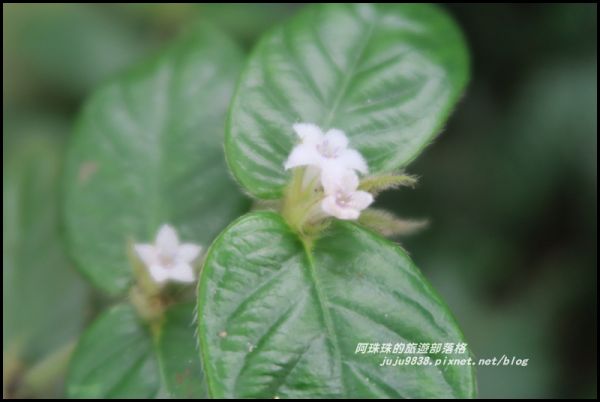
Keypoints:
(343, 199)
(166, 260)
(328, 150)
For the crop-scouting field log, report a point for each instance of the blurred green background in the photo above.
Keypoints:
(509, 187)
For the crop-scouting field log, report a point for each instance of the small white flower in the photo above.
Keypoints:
(329, 152)
(167, 259)
(345, 201)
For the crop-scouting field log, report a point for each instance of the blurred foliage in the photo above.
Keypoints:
(44, 300)
(509, 188)
(510, 191)
(66, 49)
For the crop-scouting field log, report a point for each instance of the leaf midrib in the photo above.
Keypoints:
(325, 314)
(347, 78)
(156, 338)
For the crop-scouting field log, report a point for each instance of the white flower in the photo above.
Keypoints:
(329, 152)
(167, 259)
(345, 201)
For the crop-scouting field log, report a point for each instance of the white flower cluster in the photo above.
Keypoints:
(337, 166)
(167, 259)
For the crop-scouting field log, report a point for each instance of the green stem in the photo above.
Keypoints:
(300, 200)
(42, 378)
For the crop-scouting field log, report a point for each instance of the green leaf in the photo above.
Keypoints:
(120, 357)
(388, 75)
(43, 298)
(280, 318)
(147, 151)
(246, 21)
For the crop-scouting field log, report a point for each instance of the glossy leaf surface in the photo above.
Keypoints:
(120, 357)
(386, 74)
(148, 151)
(281, 320)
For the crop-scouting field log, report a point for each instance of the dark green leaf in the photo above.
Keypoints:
(147, 151)
(278, 318)
(119, 357)
(388, 75)
(68, 47)
(44, 300)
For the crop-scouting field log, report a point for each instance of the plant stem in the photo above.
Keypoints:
(42, 379)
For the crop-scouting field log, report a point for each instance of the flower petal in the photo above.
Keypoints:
(302, 155)
(331, 181)
(330, 207)
(349, 182)
(311, 175)
(336, 139)
(158, 273)
(147, 253)
(188, 252)
(335, 178)
(352, 159)
(348, 214)
(309, 133)
(166, 240)
(182, 273)
(361, 200)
